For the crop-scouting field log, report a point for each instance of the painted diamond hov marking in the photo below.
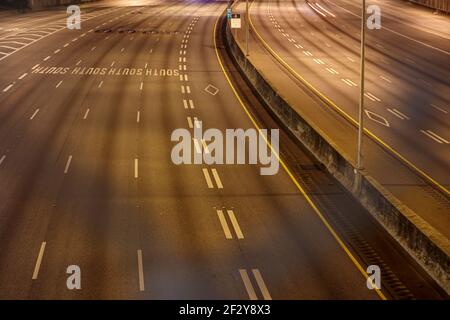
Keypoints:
(377, 118)
(211, 89)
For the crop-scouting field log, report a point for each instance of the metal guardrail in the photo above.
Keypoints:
(441, 5)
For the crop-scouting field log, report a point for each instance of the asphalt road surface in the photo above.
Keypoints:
(87, 179)
(407, 86)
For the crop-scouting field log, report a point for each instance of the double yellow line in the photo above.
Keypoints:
(346, 116)
(288, 171)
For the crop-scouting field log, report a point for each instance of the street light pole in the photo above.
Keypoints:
(359, 163)
(247, 31)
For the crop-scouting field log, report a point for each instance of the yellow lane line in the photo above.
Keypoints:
(345, 115)
(287, 170)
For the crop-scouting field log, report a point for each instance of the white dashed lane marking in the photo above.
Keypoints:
(215, 175)
(259, 281)
(185, 89)
(191, 123)
(332, 71)
(217, 178)
(34, 114)
(234, 223)
(398, 114)
(438, 108)
(8, 87)
(136, 168)
(188, 104)
(224, 224)
(208, 178)
(385, 79)
(318, 61)
(140, 271)
(372, 97)
(69, 161)
(349, 82)
(434, 136)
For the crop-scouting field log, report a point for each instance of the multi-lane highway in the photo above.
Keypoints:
(87, 177)
(407, 69)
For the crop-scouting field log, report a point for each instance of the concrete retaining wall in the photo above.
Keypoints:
(427, 246)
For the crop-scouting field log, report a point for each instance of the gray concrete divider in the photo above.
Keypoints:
(425, 244)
